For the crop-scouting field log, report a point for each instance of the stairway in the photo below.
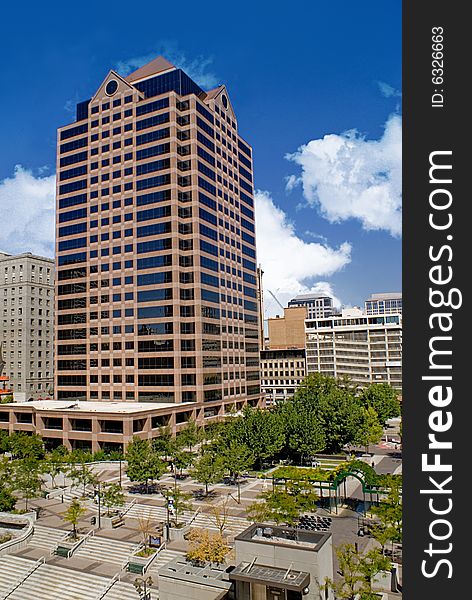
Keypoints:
(234, 525)
(46, 538)
(11, 568)
(49, 582)
(164, 557)
(125, 591)
(106, 550)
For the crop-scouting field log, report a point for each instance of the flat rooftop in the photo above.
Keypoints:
(273, 535)
(181, 569)
(386, 296)
(280, 578)
(98, 407)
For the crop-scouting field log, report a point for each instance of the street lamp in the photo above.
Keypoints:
(98, 492)
(142, 586)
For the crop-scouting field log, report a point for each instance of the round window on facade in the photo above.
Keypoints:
(111, 87)
(224, 100)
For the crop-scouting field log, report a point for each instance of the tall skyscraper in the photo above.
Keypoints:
(26, 332)
(156, 293)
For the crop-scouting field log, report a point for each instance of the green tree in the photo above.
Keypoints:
(27, 478)
(82, 474)
(24, 445)
(55, 463)
(7, 499)
(236, 458)
(383, 399)
(189, 435)
(390, 510)
(181, 460)
(304, 432)
(370, 430)
(163, 443)
(5, 442)
(144, 464)
(357, 571)
(334, 404)
(208, 469)
(284, 505)
(73, 515)
(8, 399)
(260, 430)
(112, 496)
(178, 502)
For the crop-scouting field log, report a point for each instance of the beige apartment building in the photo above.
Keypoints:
(27, 324)
(156, 291)
(287, 331)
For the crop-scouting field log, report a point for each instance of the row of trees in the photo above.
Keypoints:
(23, 475)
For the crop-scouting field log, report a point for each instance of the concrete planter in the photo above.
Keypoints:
(140, 564)
(111, 522)
(177, 534)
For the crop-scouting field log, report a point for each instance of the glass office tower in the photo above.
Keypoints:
(156, 291)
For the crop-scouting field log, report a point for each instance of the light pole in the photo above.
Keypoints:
(142, 586)
(120, 473)
(98, 491)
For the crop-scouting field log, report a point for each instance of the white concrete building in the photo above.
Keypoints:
(367, 349)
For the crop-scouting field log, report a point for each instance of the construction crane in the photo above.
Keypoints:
(275, 298)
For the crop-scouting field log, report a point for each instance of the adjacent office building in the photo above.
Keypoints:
(26, 334)
(384, 304)
(287, 331)
(156, 291)
(317, 305)
(367, 349)
(282, 371)
(283, 360)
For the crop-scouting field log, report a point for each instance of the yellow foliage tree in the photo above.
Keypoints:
(207, 547)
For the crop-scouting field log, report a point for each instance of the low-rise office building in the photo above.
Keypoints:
(367, 349)
(94, 426)
(282, 372)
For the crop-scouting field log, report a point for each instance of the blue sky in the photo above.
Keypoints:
(298, 74)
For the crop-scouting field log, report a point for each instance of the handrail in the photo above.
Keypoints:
(154, 556)
(24, 576)
(102, 593)
(130, 505)
(10, 544)
(195, 515)
(79, 542)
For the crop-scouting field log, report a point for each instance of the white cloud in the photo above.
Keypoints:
(27, 204)
(388, 91)
(349, 177)
(291, 265)
(196, 69)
